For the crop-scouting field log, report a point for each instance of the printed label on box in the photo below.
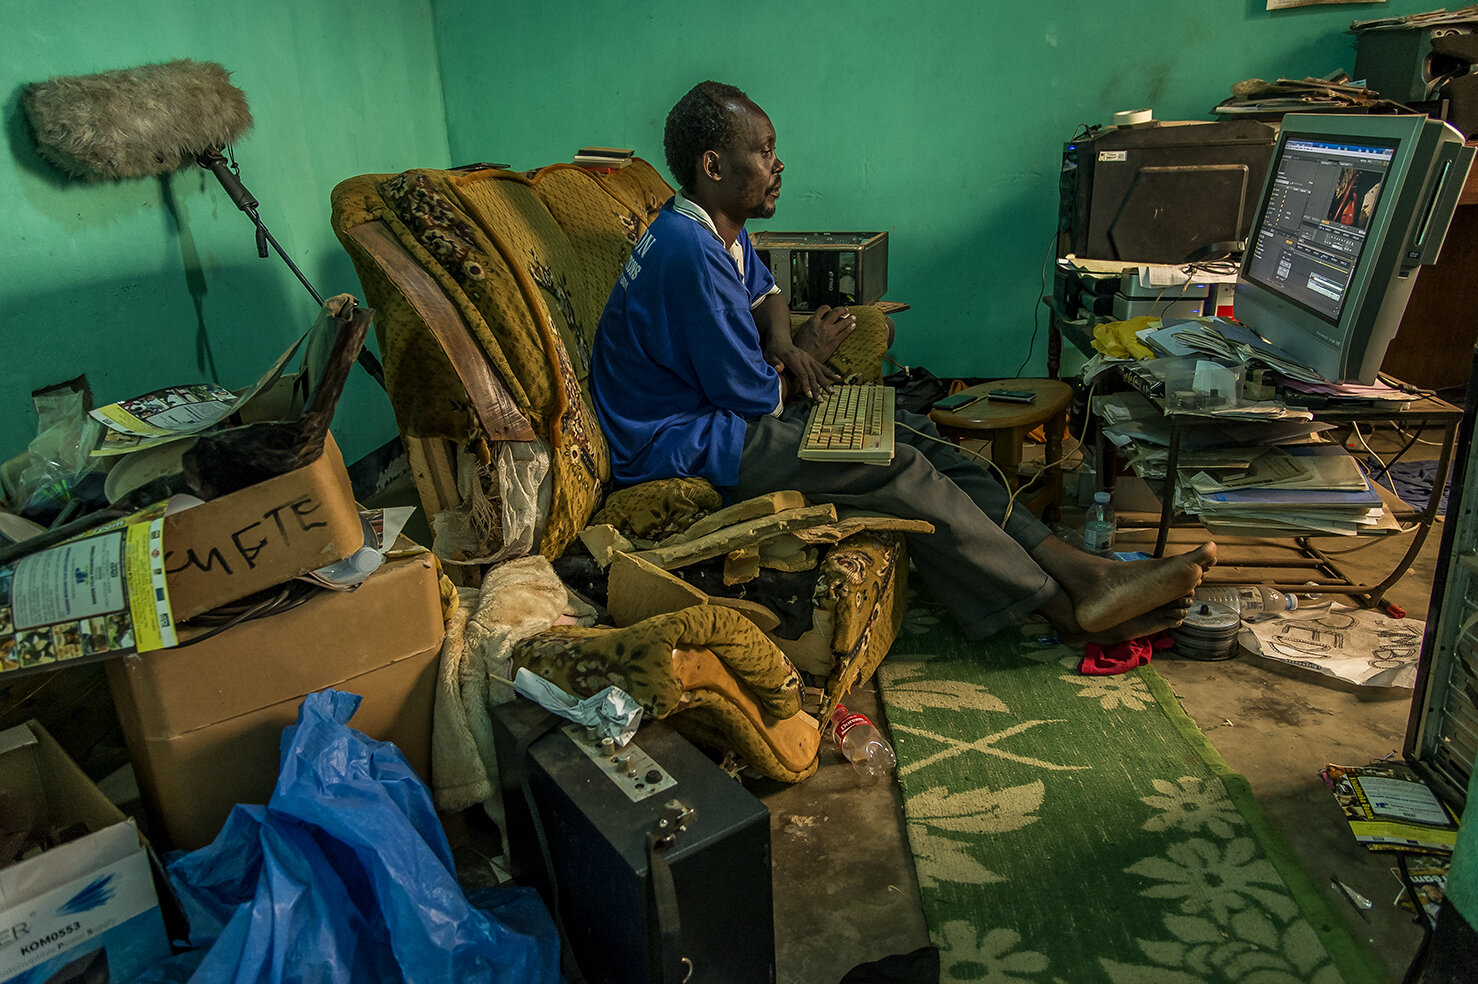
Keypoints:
(109, 918)
(99, 595)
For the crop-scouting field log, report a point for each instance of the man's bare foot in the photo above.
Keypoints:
(1165, 617)
(1108, 593)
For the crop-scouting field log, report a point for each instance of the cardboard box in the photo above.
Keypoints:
(86, 903)
(116, 590)
(203, 721)
(242, 543)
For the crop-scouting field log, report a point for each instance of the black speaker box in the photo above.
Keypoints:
(715, 916)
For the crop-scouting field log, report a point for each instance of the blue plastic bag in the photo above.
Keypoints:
(346, 876)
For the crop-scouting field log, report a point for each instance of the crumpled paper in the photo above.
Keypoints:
(612, 712)
(1357, 645)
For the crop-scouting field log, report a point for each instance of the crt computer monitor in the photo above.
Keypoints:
(1352, 207)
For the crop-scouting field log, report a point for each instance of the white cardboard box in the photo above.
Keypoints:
(89, 902)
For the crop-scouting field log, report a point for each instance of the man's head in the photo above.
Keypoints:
(720, 147)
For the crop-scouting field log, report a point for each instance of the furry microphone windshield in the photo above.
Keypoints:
(136, 122)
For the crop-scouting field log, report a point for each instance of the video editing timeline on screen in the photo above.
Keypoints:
(1321, 201)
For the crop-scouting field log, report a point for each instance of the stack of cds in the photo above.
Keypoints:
(1209, 631)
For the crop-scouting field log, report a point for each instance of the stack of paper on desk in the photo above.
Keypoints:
(1316, 488)
(1129, 417)
(1249, 478)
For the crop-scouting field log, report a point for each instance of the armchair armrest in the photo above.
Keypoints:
(719, 678)
(859, 359)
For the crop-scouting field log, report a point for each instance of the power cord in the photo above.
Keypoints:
(1417, 968)
(284, 598)
(1037, 307)
(1005, 483)
(1405, 387)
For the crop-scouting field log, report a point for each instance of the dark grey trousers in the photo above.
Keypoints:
(982, 572)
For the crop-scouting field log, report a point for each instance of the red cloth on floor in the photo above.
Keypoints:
(1121, 657)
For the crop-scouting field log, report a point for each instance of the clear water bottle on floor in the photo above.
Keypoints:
(861, 743)
(1255, 602)
(1100, 526)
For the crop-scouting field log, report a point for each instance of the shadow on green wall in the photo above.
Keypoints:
(243, 344)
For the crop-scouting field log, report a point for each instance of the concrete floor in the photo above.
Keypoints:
(845, 889)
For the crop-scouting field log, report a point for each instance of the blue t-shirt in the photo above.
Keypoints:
(677, 370)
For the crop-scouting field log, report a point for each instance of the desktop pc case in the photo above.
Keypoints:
(831, 268)
(1442, 730)
(613, 915)
(1160, 192)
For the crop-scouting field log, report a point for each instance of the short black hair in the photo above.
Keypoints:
(701, 120)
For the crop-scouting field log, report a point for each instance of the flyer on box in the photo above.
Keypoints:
(177, 412)
(169, 411)
(96, 596)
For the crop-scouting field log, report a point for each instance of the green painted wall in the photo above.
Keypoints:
(152, 282)
(940, 122)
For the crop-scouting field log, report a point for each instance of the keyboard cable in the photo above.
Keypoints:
(972, 453)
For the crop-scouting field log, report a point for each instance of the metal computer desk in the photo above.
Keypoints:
(1299, 564)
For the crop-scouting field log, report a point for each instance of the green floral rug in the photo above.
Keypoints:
(1075, 829)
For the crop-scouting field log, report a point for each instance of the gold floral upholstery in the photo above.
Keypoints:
(653, 510)
(643, 660)
(487, 286)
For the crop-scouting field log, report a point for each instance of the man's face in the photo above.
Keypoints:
(751, 182)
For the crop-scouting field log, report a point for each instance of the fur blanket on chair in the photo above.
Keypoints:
(517, 599)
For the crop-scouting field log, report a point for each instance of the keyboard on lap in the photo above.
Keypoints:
(853, 422)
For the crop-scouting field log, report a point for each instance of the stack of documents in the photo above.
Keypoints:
(1377, 396)
(1275, 478)
(1228, 340)
(1308, 489)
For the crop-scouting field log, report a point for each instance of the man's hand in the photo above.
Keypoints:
(811, 376)
(815, 342)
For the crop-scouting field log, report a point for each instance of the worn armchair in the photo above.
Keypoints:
(487, 285)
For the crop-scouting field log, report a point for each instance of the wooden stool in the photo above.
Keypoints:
(1006, 425)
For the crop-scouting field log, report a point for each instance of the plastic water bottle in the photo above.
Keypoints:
(1100, 526)
(861, 743)
(353, 568)
(1255, 602)
(358, 565)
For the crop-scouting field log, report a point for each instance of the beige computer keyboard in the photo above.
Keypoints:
(853, 422)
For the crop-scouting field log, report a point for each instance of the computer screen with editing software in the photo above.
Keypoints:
(1352, 207)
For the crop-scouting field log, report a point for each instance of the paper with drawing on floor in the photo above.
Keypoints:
(1358, 645)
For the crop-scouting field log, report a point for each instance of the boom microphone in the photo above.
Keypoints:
(136, 122)
(139, 122)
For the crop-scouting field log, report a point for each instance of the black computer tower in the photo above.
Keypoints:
(1161, 192)
(596, 815)
(1442, 731)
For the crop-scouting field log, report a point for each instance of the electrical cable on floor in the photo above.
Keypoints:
(972, 453)
(1385, 466)
(1402, 431)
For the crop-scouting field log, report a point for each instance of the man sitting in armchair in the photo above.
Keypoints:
(694, 372)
